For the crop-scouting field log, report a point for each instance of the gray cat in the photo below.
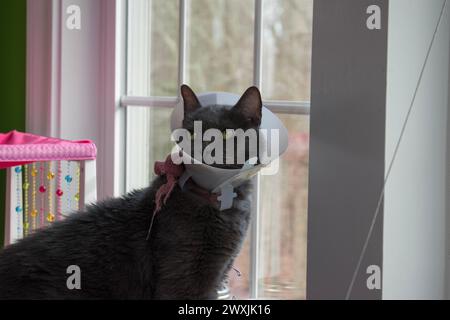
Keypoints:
(190, 250)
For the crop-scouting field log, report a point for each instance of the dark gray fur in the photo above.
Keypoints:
(191, 249)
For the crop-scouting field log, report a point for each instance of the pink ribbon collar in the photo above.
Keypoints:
(173, 172)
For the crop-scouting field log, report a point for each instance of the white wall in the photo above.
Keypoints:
(83, 111)
(80, 73)
(414, 238)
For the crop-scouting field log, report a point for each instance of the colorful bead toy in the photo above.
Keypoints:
(40, 191)
(41, 185)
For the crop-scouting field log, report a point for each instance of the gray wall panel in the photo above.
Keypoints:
(347, 146)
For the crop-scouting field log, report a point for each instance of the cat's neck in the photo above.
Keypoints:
(242, 193)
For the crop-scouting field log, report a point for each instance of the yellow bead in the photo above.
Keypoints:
(25, 186)
(34, 172)
(50, 217)
(77, 197)
(26, 226)
(34, 213)
(50, 175)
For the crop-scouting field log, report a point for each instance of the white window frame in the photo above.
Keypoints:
(48, 106)
(276, 106)
(104, 108)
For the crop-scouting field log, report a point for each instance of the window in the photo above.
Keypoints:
(229, 45)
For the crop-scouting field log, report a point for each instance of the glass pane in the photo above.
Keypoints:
(148, 140)
(220, 58)
(239, 278)
(152, 47)
(220, 45)
(283, 218)
(287, 38)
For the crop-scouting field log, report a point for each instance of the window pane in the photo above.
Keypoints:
(283, 218)
(287, 37)
(220, 45)
(148, 140)
(152, 47)
(239, 279)
(220, 58)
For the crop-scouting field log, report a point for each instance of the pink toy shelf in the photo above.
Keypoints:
(47, 179)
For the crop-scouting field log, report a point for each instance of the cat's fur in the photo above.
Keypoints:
(190, 251)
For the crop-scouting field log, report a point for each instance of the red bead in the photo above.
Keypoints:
(42, 189)
(59, 193)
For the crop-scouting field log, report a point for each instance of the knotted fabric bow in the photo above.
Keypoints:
(172, 172)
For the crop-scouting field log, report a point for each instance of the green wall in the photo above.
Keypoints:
(12, 77)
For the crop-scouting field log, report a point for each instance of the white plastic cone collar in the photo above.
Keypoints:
(217, 179)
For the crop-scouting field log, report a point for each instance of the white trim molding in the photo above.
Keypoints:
(72, 92)
(39, 66)
(43, 114)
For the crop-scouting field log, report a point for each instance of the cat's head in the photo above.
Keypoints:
(246, 114)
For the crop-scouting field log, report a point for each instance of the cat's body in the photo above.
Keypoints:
(191, 248)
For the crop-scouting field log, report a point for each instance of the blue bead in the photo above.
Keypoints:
(68, 178)
(18, 209)
(18, 169)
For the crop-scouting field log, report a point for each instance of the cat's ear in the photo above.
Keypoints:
(190, 100)
(250, 106)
